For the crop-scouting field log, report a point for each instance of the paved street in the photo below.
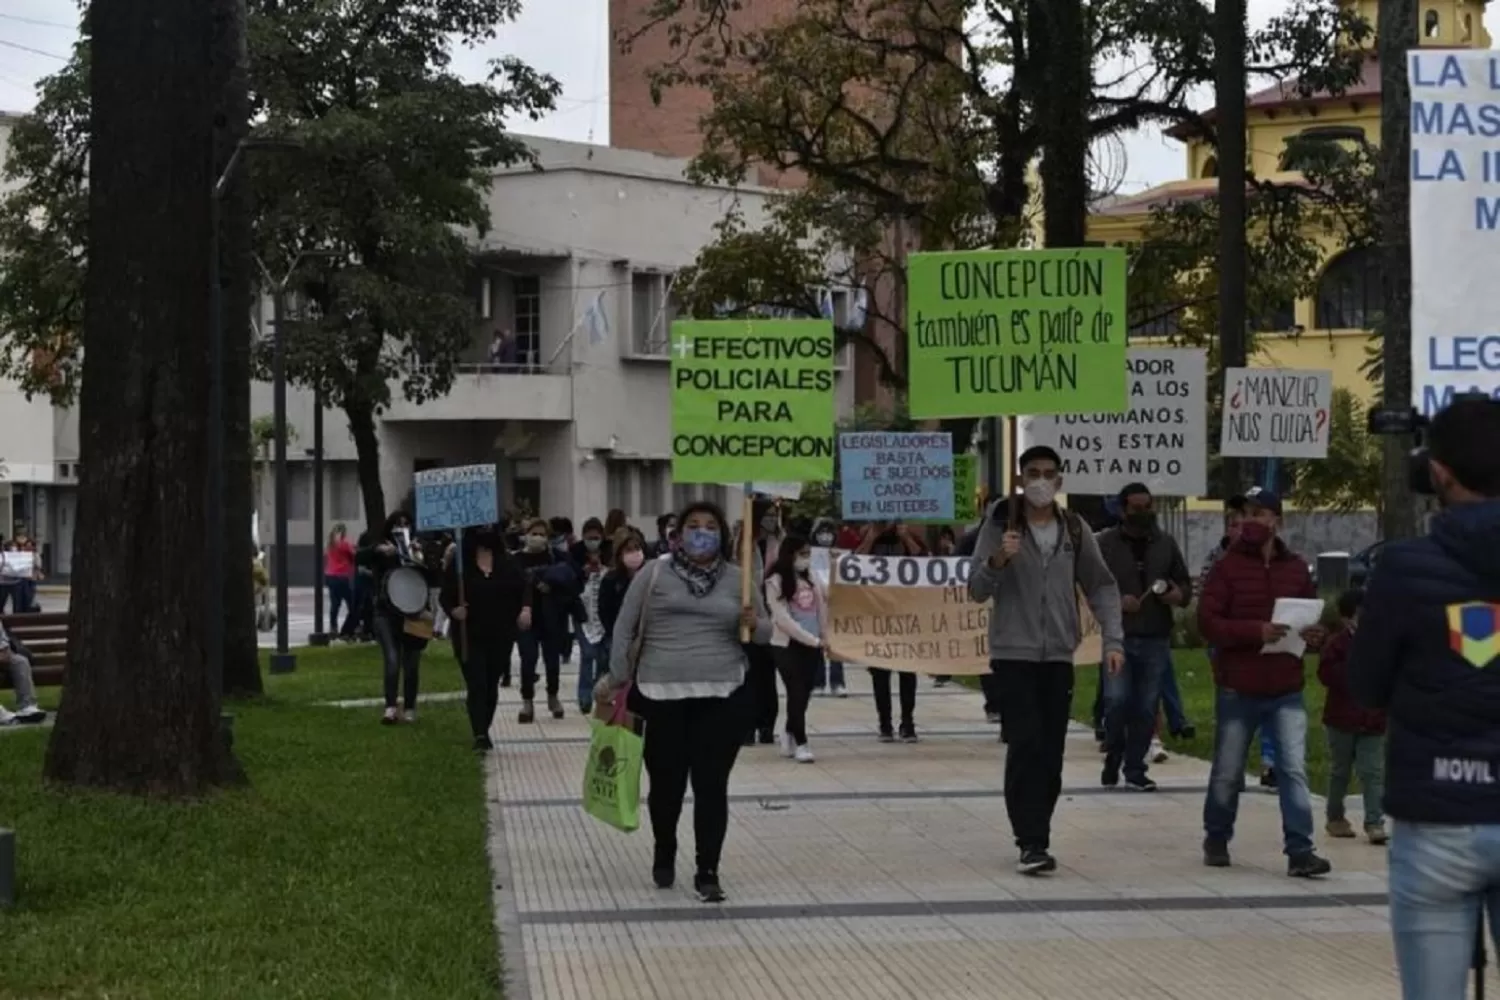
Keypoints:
(885, 871)
(299, 620)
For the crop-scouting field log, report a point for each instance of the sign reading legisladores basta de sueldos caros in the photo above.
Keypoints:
(1009, 332)
(752, 400)
(1161, 441)
(896, 476)
(1455, 226)
(460, 497)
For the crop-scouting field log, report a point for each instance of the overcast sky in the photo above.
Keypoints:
(36, 35)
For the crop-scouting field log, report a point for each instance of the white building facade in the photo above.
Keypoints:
(577, 268)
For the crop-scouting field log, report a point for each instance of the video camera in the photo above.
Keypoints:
(1393, 421)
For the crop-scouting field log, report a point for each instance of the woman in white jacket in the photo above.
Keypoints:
(799, 614)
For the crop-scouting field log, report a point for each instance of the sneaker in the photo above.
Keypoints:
(804, 754)
(1159, 753)
(887, 734)
(505, 680)
(391, 717)
(483, 744)
(788, 745)
(1111, 776)
(1376, 833)
(664, 867)
(1307, 865)
(993, 718)
(527, 713)
(1268, 779)
(1340, 828)
(767, 737)
(749, 739)
(940, 682)
(30, 715)
(908, 733)
(409, 715)
(1187, 732)
(554, 705)
(1215, 853)
(1035, 861)
(1140, 783)
(6, 717)
(839, 691)
(706, 885)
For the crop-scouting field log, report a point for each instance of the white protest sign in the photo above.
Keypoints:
(1455, 226)
(1161, 441)
(1276, 413)
(780, 491)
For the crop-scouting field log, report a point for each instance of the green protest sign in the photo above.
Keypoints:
(752, 400)
(996, 332)
(965, 480)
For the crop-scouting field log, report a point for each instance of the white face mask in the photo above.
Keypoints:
(802, 564)
(1041, 492)
(633, 559)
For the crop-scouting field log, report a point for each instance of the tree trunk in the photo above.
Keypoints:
(1229, 110)
(1060, 37)
(1396, 32)
(140, 713)
(231, 118)
(367, 453)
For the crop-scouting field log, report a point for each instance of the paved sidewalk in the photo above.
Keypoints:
(886, 871)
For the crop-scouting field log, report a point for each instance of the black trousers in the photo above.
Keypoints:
(691, 741)
(403, 661)
(881, 681)
(484, 662)
(1035, 699)
(760, 678)
(798, 666)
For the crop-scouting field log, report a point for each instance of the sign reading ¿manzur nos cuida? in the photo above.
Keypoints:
(1276, 413)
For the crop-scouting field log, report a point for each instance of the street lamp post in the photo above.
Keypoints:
(319, 637)
(283, 661)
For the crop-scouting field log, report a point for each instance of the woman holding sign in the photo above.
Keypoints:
(800, 615)
(677, 658)
(485, 597)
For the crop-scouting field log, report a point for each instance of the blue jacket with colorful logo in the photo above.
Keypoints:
(1428, 651)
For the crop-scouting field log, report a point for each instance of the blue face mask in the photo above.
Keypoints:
(700, 543)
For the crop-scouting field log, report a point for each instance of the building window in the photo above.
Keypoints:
(347, 504)
(1276, 317)
(1468, 35)
(299, 487)
(617, 493)
(1321, 148)
(1349, 291)
(1210, 167)
(652, 311)
(653, 498)
(527, 289)
(1431, 24)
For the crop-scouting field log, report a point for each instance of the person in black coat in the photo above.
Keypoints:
(553, 588)
(630, 556)
(486, 620)
(401, 650)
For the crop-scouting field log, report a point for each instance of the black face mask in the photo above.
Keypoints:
(1140, 521)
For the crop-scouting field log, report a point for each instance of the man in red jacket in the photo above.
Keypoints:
(1258, 689)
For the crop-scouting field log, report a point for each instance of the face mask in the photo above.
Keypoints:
(1041, 492)
(700, 543)
(1255, 533)
(535, 543)
(592, 544)
(633, 560)
(824, 541)
(1140, 521)
(802, 565)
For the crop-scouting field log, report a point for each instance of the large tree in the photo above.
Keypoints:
(140, 712)
(933, 114)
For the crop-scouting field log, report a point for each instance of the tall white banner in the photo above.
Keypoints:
(1162, 440)
(1455, 224)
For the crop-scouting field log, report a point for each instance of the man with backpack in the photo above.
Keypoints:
(1034, 559)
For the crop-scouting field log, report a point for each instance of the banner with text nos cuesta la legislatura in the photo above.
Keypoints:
(752, 399)
(1010, 332)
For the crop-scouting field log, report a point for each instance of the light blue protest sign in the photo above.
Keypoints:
(460, 497)
(890, 476)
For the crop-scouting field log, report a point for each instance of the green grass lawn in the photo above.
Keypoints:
(354, 866)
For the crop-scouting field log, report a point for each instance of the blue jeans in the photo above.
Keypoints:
(1239, 716)
(593, 663)
(340, 593)
(1267, 741)
(828, 674)
(1440, 876)
(1130, 701)
(539, 642)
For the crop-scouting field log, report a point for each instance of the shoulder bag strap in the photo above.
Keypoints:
(638, 643)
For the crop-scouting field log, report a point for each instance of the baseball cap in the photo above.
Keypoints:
(1257, 496)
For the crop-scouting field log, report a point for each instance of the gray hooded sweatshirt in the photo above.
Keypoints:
(1034, 618)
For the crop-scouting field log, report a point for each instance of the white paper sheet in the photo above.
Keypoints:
(18, 565)
(1296, 613)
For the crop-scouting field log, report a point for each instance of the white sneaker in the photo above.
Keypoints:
(410, 715)
(6, 718)
(804, 754)
(839, 691)
(788, 745)
(30, 714)
(1159, 754)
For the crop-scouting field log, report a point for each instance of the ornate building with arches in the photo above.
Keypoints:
(1285, 133)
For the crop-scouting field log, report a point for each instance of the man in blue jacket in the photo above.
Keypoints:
(1428, 651)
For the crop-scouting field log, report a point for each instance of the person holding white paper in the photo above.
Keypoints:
(1259, 682)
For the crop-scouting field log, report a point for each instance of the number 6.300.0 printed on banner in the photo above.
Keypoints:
(901, 571)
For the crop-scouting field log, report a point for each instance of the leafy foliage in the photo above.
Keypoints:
(917, 123)
(393, 175)
(1349, 479)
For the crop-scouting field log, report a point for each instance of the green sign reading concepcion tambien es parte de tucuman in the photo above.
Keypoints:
(752, 400)
(999, 332)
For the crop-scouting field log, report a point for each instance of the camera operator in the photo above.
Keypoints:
(1426, 652)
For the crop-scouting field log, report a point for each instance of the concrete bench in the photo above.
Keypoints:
(46, 636)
